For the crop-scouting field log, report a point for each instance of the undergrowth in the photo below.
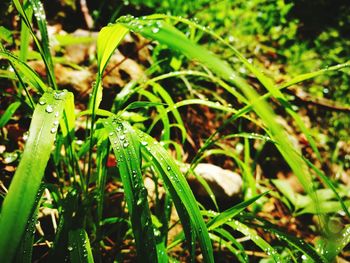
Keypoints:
(144, 135)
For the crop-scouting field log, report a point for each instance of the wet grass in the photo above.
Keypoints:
(82, 171)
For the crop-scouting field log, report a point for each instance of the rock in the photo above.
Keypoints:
(225, 184)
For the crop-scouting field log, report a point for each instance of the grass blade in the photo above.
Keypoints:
(253, 235)
(25, 33)
(27, 179)
(225, 216)
(44, 51)
(39, 14)
(126, 147)
(108, 39)
(79, 247)
(300, 245)
(31, 77)
(329, 183)
(336, 244)
(227, 240)
(180, 191)
(26, 246)
(8, 113)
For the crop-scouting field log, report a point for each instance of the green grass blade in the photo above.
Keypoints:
(44, 51)
(107, 41)
(162, 113)
(173, 38)
(39, 14)
(300, 245)
(25, 249)
(69, 205)
(307, 76)
(6, 35)
(102, 157)
(180, 191)
(227, 240)
(126, 146)
(6, 116)
(79, 247)
(228, 214)
(336, 244)
(237, 253)
(253, 235)
(157, 88)
(30, 76)
(329, 183)
(25, 33)
(27, 179)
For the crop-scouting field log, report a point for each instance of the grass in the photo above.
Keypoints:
(82, 173)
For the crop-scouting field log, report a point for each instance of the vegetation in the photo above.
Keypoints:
(257, 87)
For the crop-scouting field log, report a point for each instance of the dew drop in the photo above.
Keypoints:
(53, 130)
(10, 157)
(155, 30)
(25, 136)
(70, 248)
(58, 95)
(42, 102)
(56, 122)
(49, 109)
(144, 143)
(56, 114)
(168, 168)
(126, 144)
(122, 137)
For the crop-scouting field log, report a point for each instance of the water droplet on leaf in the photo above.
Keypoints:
(49, 109)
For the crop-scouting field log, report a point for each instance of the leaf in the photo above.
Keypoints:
(299, 244)
(126, 147)
(107, 41)
(79, 247)
(5, 34)
(39, 14)
(230, 213)
(333, 245)
(180, 191)
(30, 76)
(30, 171)
(253, 235)
(25, 249)
(8, 113)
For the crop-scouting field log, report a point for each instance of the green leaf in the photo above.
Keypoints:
(107, 41)
(79, 247)
(30, 76)
(180, 191)
(126, 146)
(5, 34)
(30, 171)
(25, 248)
(299, 244)
(39, 14)
(227, 215)
(253, 235)
(8, 113)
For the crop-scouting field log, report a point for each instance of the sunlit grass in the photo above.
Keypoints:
(80, 194)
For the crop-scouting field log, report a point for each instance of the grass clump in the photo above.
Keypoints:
(91, 176)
